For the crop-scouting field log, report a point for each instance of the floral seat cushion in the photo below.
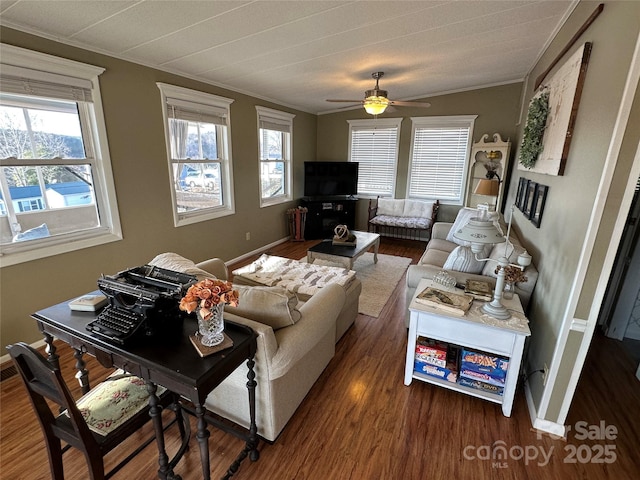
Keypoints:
(114, 401)
(403, 222)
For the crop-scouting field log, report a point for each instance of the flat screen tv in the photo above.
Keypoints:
(325, 179)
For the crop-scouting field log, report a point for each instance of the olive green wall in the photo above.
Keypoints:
(133, 117)
(556, 246)
(497, 109)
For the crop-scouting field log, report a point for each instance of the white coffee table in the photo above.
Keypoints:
(341, 254)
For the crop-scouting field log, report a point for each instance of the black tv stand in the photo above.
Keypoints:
(324, 213)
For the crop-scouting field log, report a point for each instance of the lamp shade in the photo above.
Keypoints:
(478, 231)
(487, 187)
(375, 105)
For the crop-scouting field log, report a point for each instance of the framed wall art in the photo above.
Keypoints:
(539, 200)
(563, 89)
(520, 194)
(529, 196)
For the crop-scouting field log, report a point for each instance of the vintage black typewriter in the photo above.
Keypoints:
(143, 303)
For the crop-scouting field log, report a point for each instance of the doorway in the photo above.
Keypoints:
(620, 314)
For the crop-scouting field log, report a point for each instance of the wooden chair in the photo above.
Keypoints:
(86, 433)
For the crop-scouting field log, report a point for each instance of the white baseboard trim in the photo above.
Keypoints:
(541, 424)
(5, 359)
(257, 251)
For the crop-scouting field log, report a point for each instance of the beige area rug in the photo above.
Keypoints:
(378, 279)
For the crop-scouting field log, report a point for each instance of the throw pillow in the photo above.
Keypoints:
(462, 259)
(417, 209)
(390, 206)
(177, 263)
(273, 306)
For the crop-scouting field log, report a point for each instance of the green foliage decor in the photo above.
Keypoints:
(534, 129)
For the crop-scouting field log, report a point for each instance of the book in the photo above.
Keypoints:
(348, 241)
(205, 351)
(450, 302)
(479, 290)
(88, 303)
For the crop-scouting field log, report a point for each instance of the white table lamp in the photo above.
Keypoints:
(480, 232)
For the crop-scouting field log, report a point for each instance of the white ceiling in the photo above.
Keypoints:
(300, 53)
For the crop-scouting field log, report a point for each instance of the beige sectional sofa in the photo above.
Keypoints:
(439, 255)
(296, 341)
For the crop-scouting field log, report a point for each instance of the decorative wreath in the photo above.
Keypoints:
(534, 130)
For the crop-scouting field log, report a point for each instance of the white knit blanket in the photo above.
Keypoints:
(293, 275)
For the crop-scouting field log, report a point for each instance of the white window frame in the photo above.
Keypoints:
(452, 121)
(40, 66)
(282, 120)
(376, 123)
(207, 102)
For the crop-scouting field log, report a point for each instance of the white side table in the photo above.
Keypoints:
(476, 331)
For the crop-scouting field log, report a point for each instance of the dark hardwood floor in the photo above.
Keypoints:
(359, 421)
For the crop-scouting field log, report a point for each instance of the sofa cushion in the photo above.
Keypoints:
(177, 263)
(462, 259)
(273, 306)
(498, 251)
(437, 252)
(390, 206)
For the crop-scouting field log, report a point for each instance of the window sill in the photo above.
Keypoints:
(17, 253)
(274, 201)
(181, 219)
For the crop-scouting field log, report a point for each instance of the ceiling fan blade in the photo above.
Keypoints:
(409, 104)
(348, 101)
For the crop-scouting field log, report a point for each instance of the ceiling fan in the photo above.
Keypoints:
(376, 101)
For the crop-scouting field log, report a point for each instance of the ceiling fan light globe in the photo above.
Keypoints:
(375, 105)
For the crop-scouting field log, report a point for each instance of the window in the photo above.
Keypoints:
(56, 185)
(199, 154)
(439, 152)
(275, 130)
(374, 145)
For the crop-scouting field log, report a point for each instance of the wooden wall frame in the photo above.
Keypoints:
(531, 199)
(529, 196)
(521, 193)
(539, 201)
(565, 90)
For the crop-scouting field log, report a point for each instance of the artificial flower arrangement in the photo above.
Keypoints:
(512, 274)
(206, 294)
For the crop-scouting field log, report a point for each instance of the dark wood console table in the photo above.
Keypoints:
(176, 366)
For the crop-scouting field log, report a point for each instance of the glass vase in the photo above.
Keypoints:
(211, 329)
(509, 289)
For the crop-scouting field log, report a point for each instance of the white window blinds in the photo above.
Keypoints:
(374, 145)
(25, 81)
(439, 153)
(195, 112)
(276, 120)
